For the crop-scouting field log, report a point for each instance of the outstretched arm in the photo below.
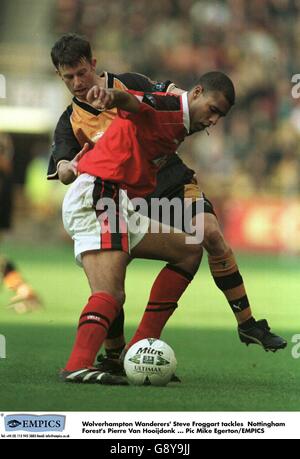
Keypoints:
(104, 99)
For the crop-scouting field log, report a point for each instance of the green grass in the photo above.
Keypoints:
(218, 372)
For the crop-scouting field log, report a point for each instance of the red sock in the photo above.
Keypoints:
(94, 322)
(166, 291)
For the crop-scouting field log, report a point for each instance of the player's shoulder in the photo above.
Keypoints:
(140, 82)
(163, 102)
(64, 118)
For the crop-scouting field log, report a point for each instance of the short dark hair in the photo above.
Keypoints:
(70, 49)
(218, 81)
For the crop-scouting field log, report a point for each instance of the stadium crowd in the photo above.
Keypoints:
(257, 43)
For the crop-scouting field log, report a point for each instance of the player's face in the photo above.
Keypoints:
(206, 109)
(80, 78)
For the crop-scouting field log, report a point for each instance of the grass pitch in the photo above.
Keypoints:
(218, 372)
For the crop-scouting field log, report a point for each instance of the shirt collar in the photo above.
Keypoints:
(186, 111)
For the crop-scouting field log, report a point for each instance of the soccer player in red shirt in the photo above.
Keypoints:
(123, 160)
(152, 127)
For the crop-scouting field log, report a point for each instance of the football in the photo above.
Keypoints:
(150, 362)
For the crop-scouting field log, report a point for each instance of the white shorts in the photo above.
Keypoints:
(91, 226)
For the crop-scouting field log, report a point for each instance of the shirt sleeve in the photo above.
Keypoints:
(65, 145)
(139, 82)
(162, 102)
(152, 103)
(142, 107)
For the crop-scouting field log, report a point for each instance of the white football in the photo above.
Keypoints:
(150, 362)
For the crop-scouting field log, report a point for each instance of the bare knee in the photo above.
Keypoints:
(191, 258)
(106, 272)
(118, 295)
(214, 241)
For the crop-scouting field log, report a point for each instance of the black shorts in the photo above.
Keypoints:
(188, 206)
(6, 200)
(176, 180)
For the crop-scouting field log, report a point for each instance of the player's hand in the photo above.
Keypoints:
(74, 163)
(100, 98)
(67, 170)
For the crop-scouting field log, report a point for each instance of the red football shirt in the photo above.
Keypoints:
(129, 150)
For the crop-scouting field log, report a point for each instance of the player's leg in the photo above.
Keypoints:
(115, 340)
(105, 271)
(224, 269)
(103, 252)
(168, 286)
(227, 277)
(183, 261)
(221, 259)
(114, 343)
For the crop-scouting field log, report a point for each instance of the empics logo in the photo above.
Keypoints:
(13, 423)
(2, 347)
(35, 423)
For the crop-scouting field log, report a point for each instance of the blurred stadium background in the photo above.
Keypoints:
(249, 166)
